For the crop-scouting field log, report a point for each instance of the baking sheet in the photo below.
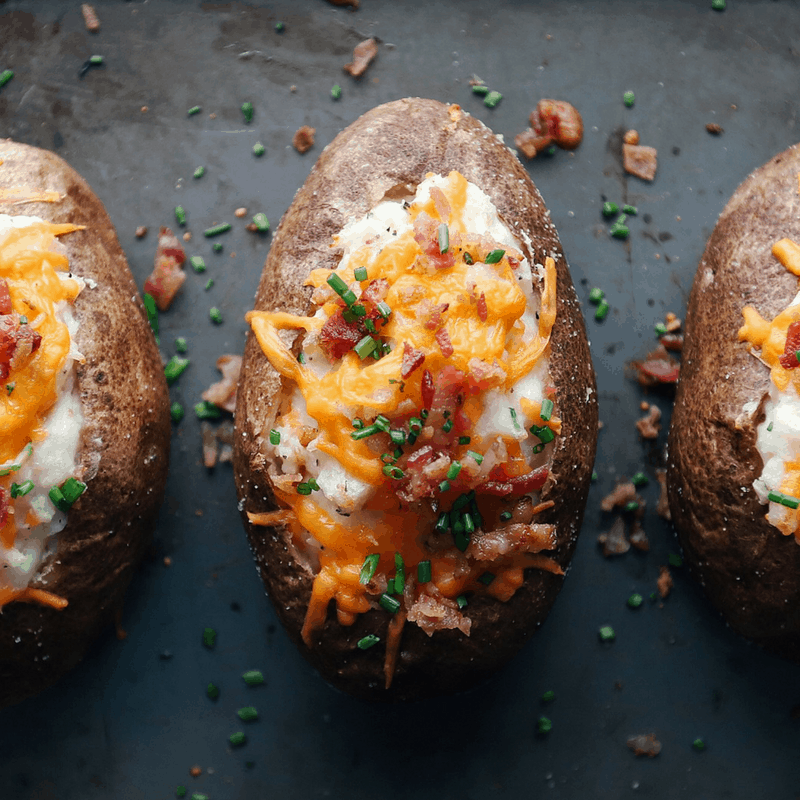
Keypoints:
(134, 718)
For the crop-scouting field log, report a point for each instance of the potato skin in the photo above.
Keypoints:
(124, 444)
(750, 571)
(393, 145)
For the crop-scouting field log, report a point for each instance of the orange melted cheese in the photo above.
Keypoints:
(373, 387)
(31, 270)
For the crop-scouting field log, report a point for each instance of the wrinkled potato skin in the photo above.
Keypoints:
(125, 439)
(750, 571)
(392, 145)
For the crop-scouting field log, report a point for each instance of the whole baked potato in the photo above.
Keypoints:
(733, 472)
(84, 420)
(416, 416)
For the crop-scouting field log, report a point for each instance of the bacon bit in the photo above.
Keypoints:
(210, 448)
(614, 542)
(638, 537)
(714, 128)
(672, 342)
(5, 297)
(645, 745)
(338, 336)
(224, 434)
(141, 231)
(527, 141)
(789, 360)
(483, 375)
(640, 160)
(282, 516)
(4, 506)
(631, 137)
(562, 120)
(376, 291)
(648, 426)
(662, 508)
(658, 368)
(428, 390)
(223, 393)
(363, 54)
(90, 18)
(441, 203)
(167, 561)
(432, 611)
(443, 340)
(303, 139)
(515, 538)
(672, 322)
(516, 485)
(167, 276)
(623, 494)
(426, 234)
(412, 360)
(196, 772)
(664, 582)
(393, 635)
(434, 319)
(483, 308)
(240, 212)
(17, 343)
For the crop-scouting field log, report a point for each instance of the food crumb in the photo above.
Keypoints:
(144, 109)
(303, 139)
(141, 231)
(198, 512)
(614, 541)
(648, 426)
(90, 18)
(662, 507)
(212, 115)
(196, 771)
(714, 128)
(167, 561)
(664, 582)
(187, 237)
(645, 744)
(640, 160)
(631, 137)
(240, 212)
(363, 55)
(644, 405)
(292, 88)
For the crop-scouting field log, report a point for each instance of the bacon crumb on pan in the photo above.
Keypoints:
(223, 392)
(648, 426)
(614, 541)
(432, 611)
(664, 582)
(412, 360)
(167, 276)
(303, 139)
(514, 538)
(645, 744)
(363, 55)
(640, 160)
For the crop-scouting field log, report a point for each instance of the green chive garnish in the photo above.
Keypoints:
(261, 222)
(209, 638)
(212, 691)
(304, 489)
(718, 5)
(65, 495)
(174, 367)
(176, 411)
(494, 257)
(444, 238)
(468, 259)
(477, 457)
(610, 209)
(631, 505)
(193, 110)
(629, 98)
(247, 714)
(619, 231)
(279, 27)
(21, 489)
(215, 315)
(390, 471)
(388, 603)
(180, 215)
(486, 578)
(5, 76)
(505, 516)
(769, 427)
(783, 499)
(547, 409)
(635, 600)
(660, 328)
(216, 230)
(640, 479)
(180, 791)
(369, 430)
(607, 634)
(469, 524)
(337, 284)
(481, 89)
(398, 436)
(274, 437)
(464, 439)
(368, 568)
(698, 744)
(443, 522)
(444, 486)
(370, 640)
(674, 560)
(180, 345)
(360, 273)
(492, 99)
(462, 601)
(11, 386)
(205, 409)
(596, 295)
(236, 739)
(453, 470)
(594, 475)
(217, 247)
(247, 110)
(448, 426)
(199, 172)
(365, 347)
(544, 725)
(544, 433)
(336, 91)
(259, 149)
(301, 358)
(548, 696)
(632, 210)
(384, 310)
(400, 574)
(253, 677)
(424, 572)
(602, 311)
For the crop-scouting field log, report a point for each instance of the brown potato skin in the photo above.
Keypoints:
(126, 425)
(397, 144)
(750, 571)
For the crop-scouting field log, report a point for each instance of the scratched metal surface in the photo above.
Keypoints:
(134, 719)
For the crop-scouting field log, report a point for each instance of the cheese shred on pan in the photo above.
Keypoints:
(40, 416)
(419, 418)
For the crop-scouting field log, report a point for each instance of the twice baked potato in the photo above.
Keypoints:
(84, 420)
(733, 473)
(416, 417)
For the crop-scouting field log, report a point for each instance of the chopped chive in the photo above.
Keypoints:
(205, 409)
(360, 273)
(370, 640)
(398, 436)
(336, 91)
(247, 714)
(400, 574)
(674, 560)
(610, 209)
(368, 568)
(486, 578)
(632, 210)
(769, 427)
(358, 424)
(464, 439)
(424, 414)
(301, 358)
(209, 638)
(209, 284)
(199, 172)
(337, 284)
(480, 88)
(494, 257)
(303, 489)
(176, 411)
(174, 367)
(453, 470)
(538, 448)
(468, 259)
(65, 495)
(547, 409)
(462, 601)
(640, 479)
(388, 603)
(460, 539)
(365, 347)
(5, 471)
(463, 500)
(259, 149)
(594, 476)
(180, 215)
(660, 328)
(198, 263)
(5, 76)
(477, 457)
(180, 791)
(718, 5)
(606, 633)
(424, 572)
(261, 222)
(619, 231)
(444, 238)
(215, 315)
(192, 111)
(236, 739)
(216, 230)
(279, 27)
(212, 691)
(390, 471)
(698, 744)
(13, 385)
(596, 295)
(631, 505)
(443, 522)
(544, 433)
(312, 482)
(548, 696)
(415, 424)
(274, 437)
(217, 247)
(492, 99)
(629, 98)
(247, 110)
(382, 422)
(621, 219)
(253, 677)
(180, 344)
(444, 486)
(369, 430)
(384, 310)
(544, 725)
(505, 516)
(602, 311)
(23, 320)
(635, 600)
(469, 524)
(21, 489)
(448, 426)
(783, 499)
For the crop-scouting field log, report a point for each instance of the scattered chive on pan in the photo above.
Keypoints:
(629, 98)
(259, 149)
(216, 230)
(247, 111)
(253, 677)
(698, 744)
(336, 91)
(674, 560)
(610, 209)
(180, 215)
(630, 506)
(640, 479)
(492, 99)
(632, 210)
(217, 247)
(209, 637)
(596, 295)
(279, 27)
(544, 725)
(5, 76)
(602, 311)
(193, 110)
(635, 600)
(174, 368)
(212, 691)
(198, 263)
(619, 231)
(209, 284)
(548, 696)
(180, 791)
(660, 328)
(606, 633)
(480, 88)
(370, 640)
(205, 409)
(261, 222)
(215, 315)
(199, 172)
(247, 714)
(237, 739)
(718, 5)
(176, 412)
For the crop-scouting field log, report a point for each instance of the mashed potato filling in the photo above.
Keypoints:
(778, 437)
(420, 426)
(40, 411)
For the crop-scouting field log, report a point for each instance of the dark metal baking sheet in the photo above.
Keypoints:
(133, 719)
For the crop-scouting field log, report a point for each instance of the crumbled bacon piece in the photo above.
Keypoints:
(638, 537)
(562, 120)
(483, 375)
(141, 231)
(338, 336)
(223, 392)
(426, 234)
(210, 447)
(658, 368)
(17, 343)
(645, 744)
(614, 542)
(423, 471)
(514, 486)
(303, 139)
(441, 203)
(443, 340)
(167, 276)
(640, 160)
(648, 426)
(664, 582)
(528, 143)
(515, 538)
(428, 389)
(483, 308)
(662, 507)
(4, 506)
(363, 54)
(5, 297)
(623, 494)
(412, 360)
(714, 128)
(672, 341)
(90, 18)
(789, 358)
(376, 291)
(432, 611)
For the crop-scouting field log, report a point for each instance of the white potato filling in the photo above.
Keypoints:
(341, 491)
(49, 463)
